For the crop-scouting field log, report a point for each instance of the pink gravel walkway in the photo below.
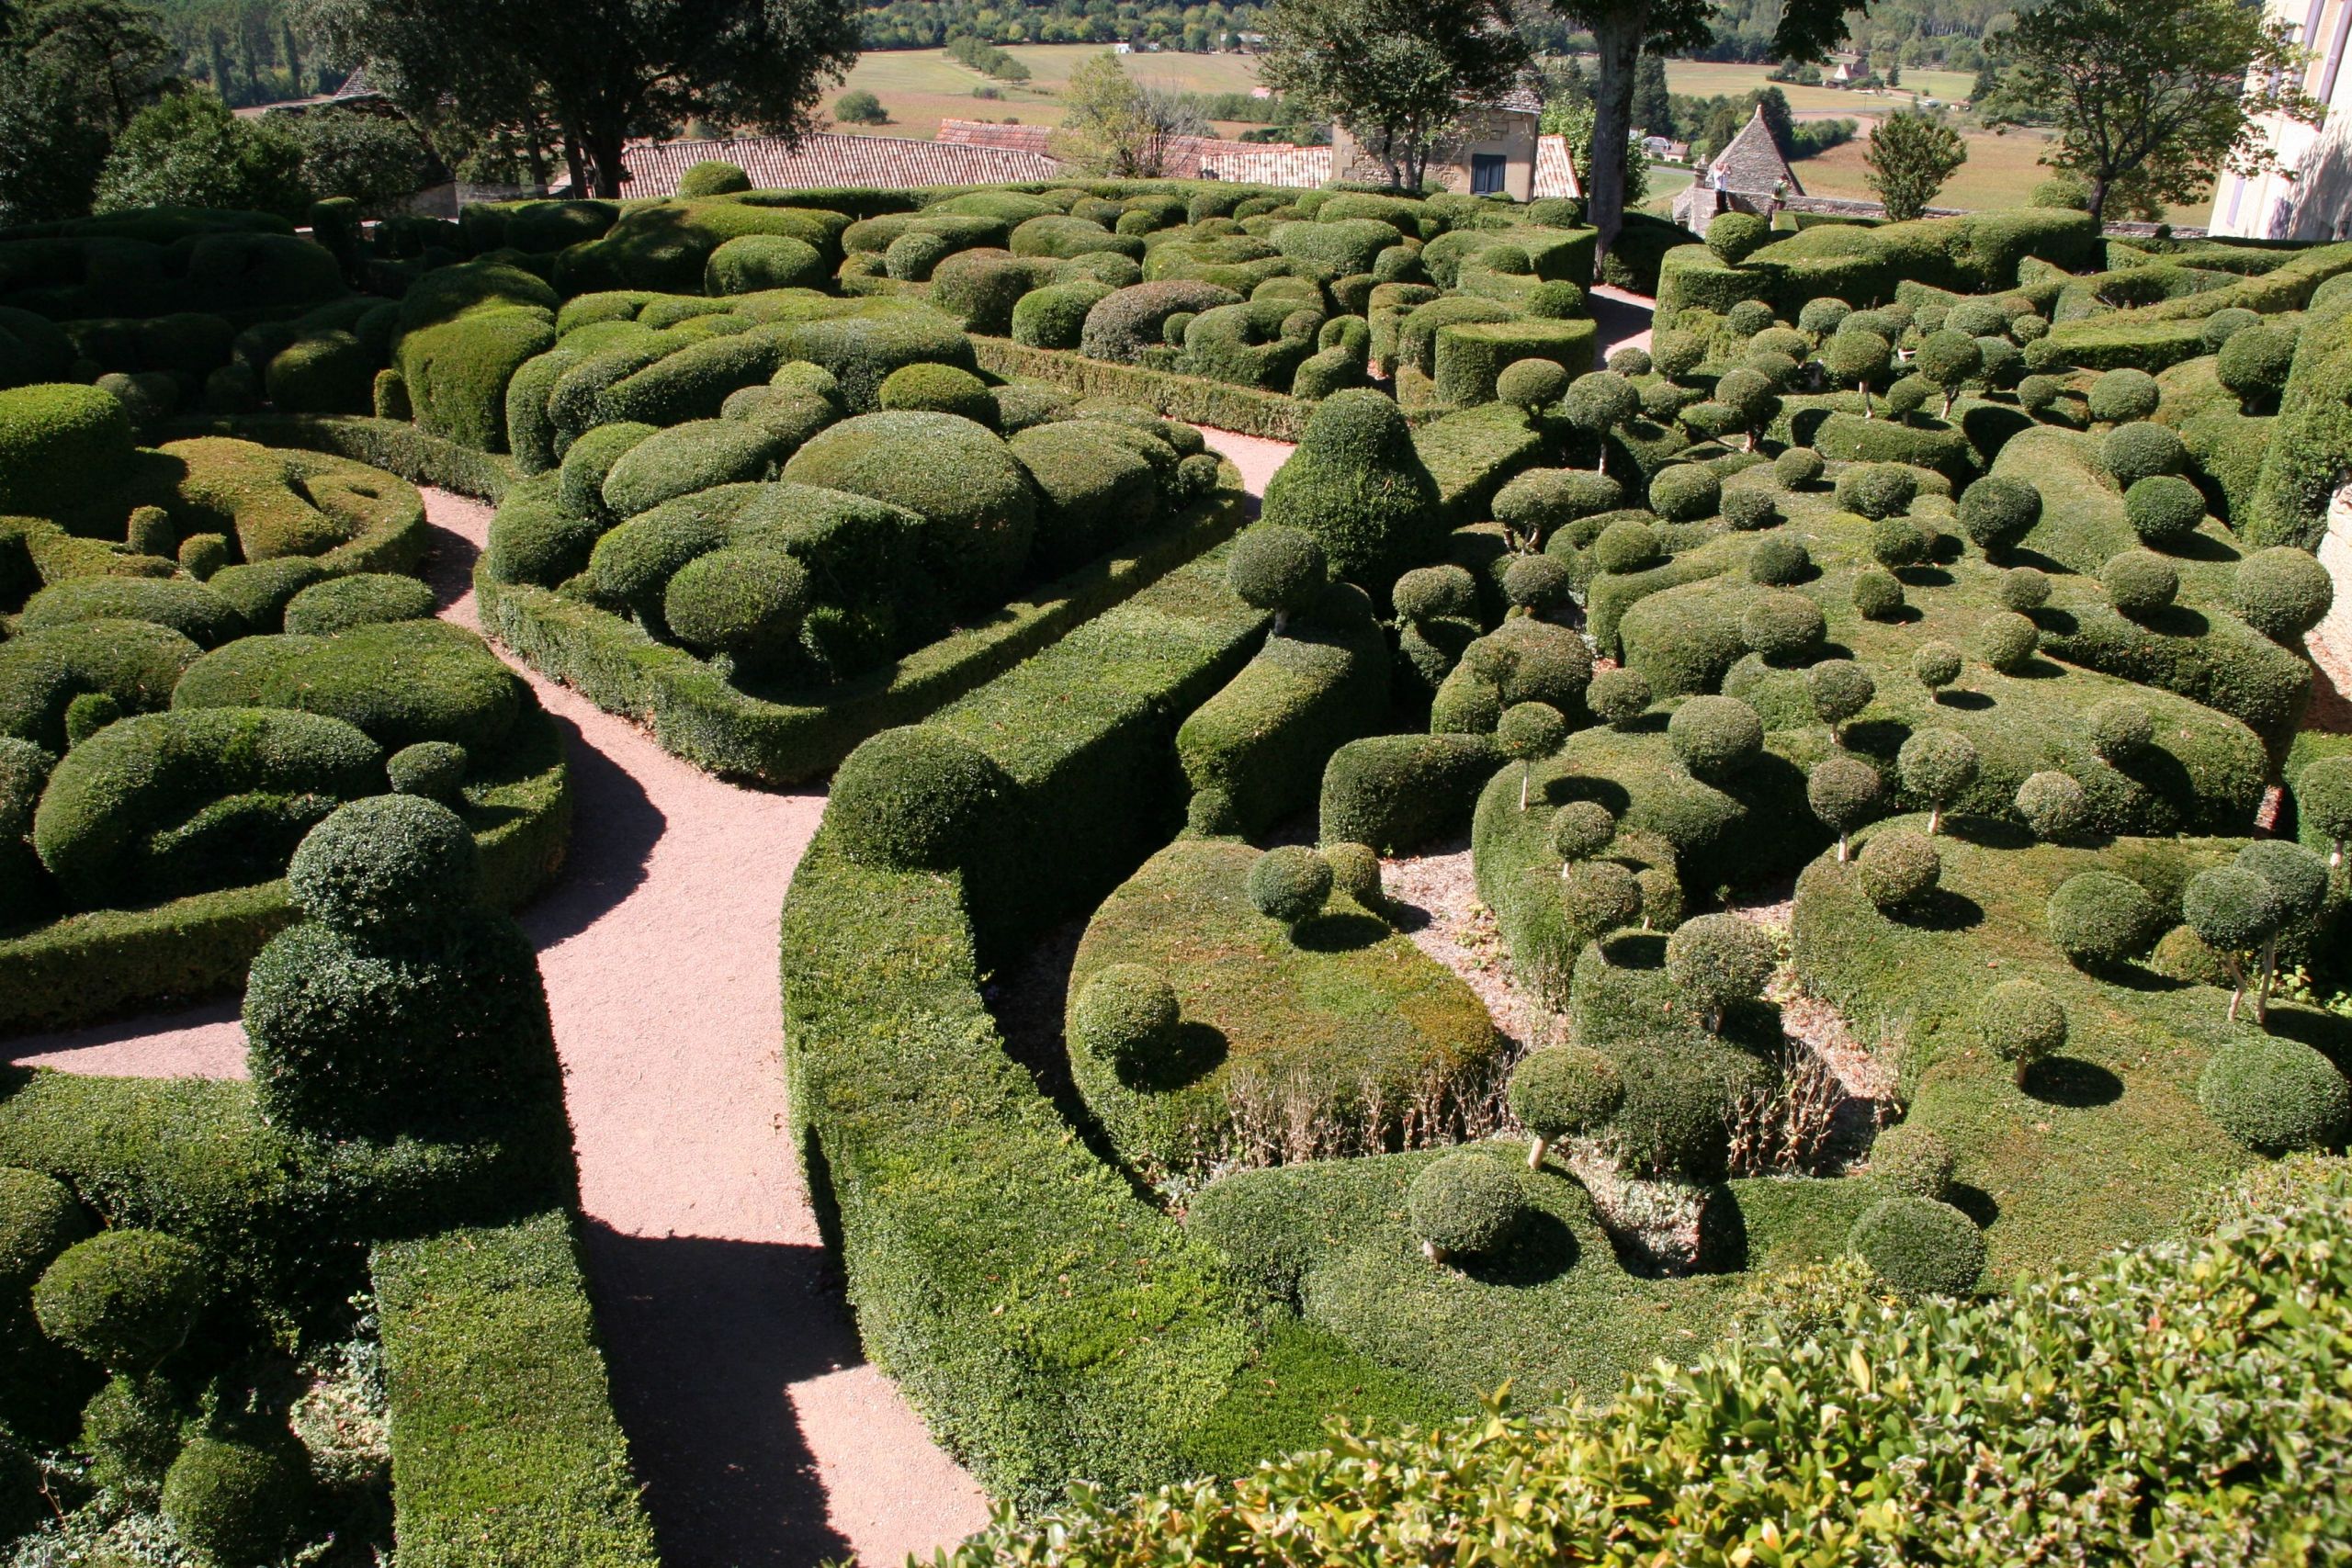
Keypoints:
(1623, 318)
(1255, 456)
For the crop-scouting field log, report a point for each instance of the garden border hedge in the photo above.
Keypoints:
(1195, 399)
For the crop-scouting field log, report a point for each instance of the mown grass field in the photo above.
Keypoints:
(920, 87)
(1713, 79)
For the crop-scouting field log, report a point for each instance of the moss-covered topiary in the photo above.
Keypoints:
(1563, 1091)
(913, 798)
(124, 1298)
(2098, 916)
(1898, 869)
(1126, 1015)
(1920, 1246)
(2276, 1096)
(1357, 484)
(1718, 962)
(1290, 883)
(2021, 1023)
(1914, 1160)
(237, 1502)
(1618, 697)
(2138, 583)
(2053, 806)
(1466, 1204)
(2139, 450)
(2282, 593)
(1715, 738)
(1776, 562)
(1685, 492)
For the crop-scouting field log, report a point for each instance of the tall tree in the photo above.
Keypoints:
(2154, 98)
(1623, 29)
(1398, 73)
(1653, 107)
(1910, 157)
(73, 74)
(607, 70)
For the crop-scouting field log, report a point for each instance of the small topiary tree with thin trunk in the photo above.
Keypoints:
(1844, 792)
(2236, 911)
(1937, 765)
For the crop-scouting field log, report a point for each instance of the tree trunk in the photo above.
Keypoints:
(2099, 202)
(1535, 1148)
(1619, 39)
(1935, 818)
(1842, 841)
(603, 144)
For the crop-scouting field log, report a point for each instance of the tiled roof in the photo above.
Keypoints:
(826, 158)
(1521, 99)
(1185, 156)
(986, 133)
(1752, 162)
(1270, 164)
(1555, 174)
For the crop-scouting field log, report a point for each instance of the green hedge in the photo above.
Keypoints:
(1397, 792)
(1196, 399)
(505, 1450)
(1470, 355)
(1264, 739)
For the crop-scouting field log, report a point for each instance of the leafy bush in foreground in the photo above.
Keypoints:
(2175, 1403)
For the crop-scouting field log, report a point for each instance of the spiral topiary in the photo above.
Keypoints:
(1618, 697)
(1715, 737)
(1920, 1246)
(913, 799)
(2276, 1096)
(2021, 1023)
(1898, 869)
(2098, 917)
(2053, 806)
(1290, 885)
(1911, 1158)
(1126, 1015)
(1563, 1091)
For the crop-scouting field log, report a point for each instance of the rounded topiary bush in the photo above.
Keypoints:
(1464, 1204)
(1357, 484)
(1799, 468)
(747, 603)
(1784, 627)
(2138, 583)
(913, 798)
(1355, 871)
(939, 388)
(2276, 1096)
(1715, 737)
(1736, 236)
(1536, 583)
(1290, 883)
(2120, 396)
(1427, 594)
(1618, 697)
(38, 1220)
(1531, 383)
(2024, 589)
(2282, 593)
(1839, 688)
(1911, 1158)
(1563, 1091)
(1749, 509)
(1598, 897)
(88, 713)
(1542, 501)
(2098, 917)
(2005, 641)
(1878, 595)
(1898, 869)
(124, 1298)
(2224, 325)
(1877, 489)
(2021, 1023)
(2139, 450)
(2254, 364)
(1718, 962)
(978, 501)
(2164, 509)
(1996, 510)
(2233, 907)
(1843, 792)
(914, 255)
(1581, 830)
(751, 263)
(1685, 492)
(2121, 729)
(2053, 806)
(1898, 542)
(237, 1502)
(1125, 1015)
(387, 861)
(1626, 545)
(1920, 1246)
(340, 602)
(1775, 561)
(433, 769)
(1935, 664)
(713, 176)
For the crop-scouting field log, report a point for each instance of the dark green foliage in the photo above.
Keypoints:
(1276, 567)
(341, 603)
(2276, 1096)
(400, 681)
(1429, 592)
(1528, 730)
(389, 861)
(1749, 509)
(1936, 664)
(1896, 868)
(1898, 542)
(2098, 917)
(911, 799)
(1565, 1092)
(125, 1298)
(1536, 583)
(2282, 592)
(1355, 871)
(2121, 729)
(2232, 908)
(976, 496)
(1912, 1158)
(1626, 545)
(2021, 1023)
(752, 263)
(1466, 1204)
(131, 1430)
(237, 1501)
(2005, 641)
(433, 769)
(1290, 885)
(1719, 962)
(2164, 509)
(1685, 492)
(590, 459)
(195, 609)
(1265, 737)
(52, 439)
(685, 458)
(1122, 325)
(1715, 738)
(38, 1220)
(1920, 1246)
(1357, 484)
(2053, 806)
(747, 603)
(2023, 589)
(1878, 595)
(1844, 792)
(1996, 510)
(1469, 356)
(2138, 583)
(2120, 396)
(1055, 316)
(2137, 451)
(1618, 697)
(939, 388)
(1938, 766)
(1775, 561)
(2254, 363)
(88, 714)
(1581, 830)
(1532, 383)
(1126, 1015)
(1784, 627)
(1099, 485)
(1877, 489)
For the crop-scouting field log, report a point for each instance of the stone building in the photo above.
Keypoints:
(1747, 176)
(1492, 154)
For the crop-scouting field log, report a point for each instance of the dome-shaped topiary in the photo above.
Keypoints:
(38, 1220)
(2121, 728)
(1877, 489)
(385, 861)
(1274, 567)
(1125, 1015)
(2138, 583)
(1290, 885)
(1685, 492)
(2005, 641)
(746, 602)
(2098, 917)
(1776, 562)
(1715, 737)
(89, 712)
(1536, 583)
(433, 769)
(913, 798)
(2038, 394)
(124, 1298)
(713, 176)
(1618, 697)
(1435, 593)
(1911, 1158)
(237, 1502)
(2232, 908)
(1598, 897)
(1631, 361)
(1718, 962)
(1844, 792)
(2021, 1023)
(1626, 545)
(1531, 383)
(2276, 1096)
(1746, 318)
(1749, 509)
(1736, 236)
(2053, 806)
(2024, 589)
(1839, 688)
(1563, 1091)
(1935, 664)
(2224, 325)
(1797, 468)
(1581, 830)
(1920, 1246)
(1878, 595)
(341, 603)
(2253, 365)
(2164, 509)
(2119, 397)
(1211, 812)
(1464, 1204)
(1784, 627)
(1357, 483)
(2136, 451)
(1996, 510)
(1898, 542)
(1540, 501)
(1898, 869)
(1675, 354)
(2324, 796)
(1355, 871)
(2282, 593)
(939, 388)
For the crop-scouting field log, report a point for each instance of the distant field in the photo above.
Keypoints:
(2001, 170)
(1709, 79)
(919, 87)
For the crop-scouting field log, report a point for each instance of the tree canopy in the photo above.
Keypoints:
(1120, 129)
(73, 73)
(1910, 157)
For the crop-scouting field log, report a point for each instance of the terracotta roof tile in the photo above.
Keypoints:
(1270, 164)
(1555, 173)
(827, 159)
